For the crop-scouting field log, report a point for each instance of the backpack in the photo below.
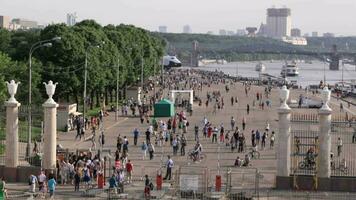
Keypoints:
(151, 186)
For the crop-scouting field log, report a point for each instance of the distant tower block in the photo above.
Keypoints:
(335, 59)
(251, 31)
(195, 54)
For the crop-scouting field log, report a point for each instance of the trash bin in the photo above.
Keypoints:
(159, 180)
(100, 180)
(218, 183)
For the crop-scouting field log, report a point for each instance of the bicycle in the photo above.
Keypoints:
(254, 154)
(341, 168)
(192, 157)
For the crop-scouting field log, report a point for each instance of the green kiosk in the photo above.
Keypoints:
(164, 108)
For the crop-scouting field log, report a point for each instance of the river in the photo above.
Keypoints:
(309, 74)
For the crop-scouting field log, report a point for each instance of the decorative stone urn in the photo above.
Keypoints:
(12, 89)
(284, 95)
(50, 89)
(325, 96)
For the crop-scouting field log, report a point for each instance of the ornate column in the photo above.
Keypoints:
(12, 124)
(50, 128)
(284, 137)
(324, 168)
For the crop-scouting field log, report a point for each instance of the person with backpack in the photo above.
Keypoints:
(51, 187)
(32, 183)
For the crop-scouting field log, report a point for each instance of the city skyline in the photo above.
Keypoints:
(320, 15)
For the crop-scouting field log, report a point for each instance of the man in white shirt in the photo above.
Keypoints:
(41, 182)
(169, 165)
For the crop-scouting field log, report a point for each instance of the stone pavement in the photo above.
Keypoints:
(257, 119)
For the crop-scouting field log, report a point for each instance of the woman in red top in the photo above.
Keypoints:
(129, 169)
(210, 130)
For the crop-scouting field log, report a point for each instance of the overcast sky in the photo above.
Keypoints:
(337, 16)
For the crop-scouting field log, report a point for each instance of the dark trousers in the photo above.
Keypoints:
(119, 147)
(168, 174)
(182, 150)
(151, 154)
(215, 137)
(76, 186)
(135, 141)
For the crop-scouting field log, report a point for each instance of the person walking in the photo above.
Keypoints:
(339, 146)
(196, 132)
(125, 146)
(169, 166)
(77, 180)
(183, 143)
(232, 122)
(3, 192)
(136, 134)
(129, 170)
(243, 123)
(215, 135)
(144, 150)
(119, 143)
(51, 187)
(258, 137)
(151, 150)
(113, 183)
(248, 109)
(263, 143)
(32, 183)
(272, 139)
(42, 182)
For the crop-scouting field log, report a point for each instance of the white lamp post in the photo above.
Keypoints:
(325, 95)
(284, 95)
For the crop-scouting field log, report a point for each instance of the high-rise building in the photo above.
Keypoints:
(4, 22)
(187, 29)
(71, 19)
(162, 29)
(296, 32)
(25, 24)
(315, 34)
(222, 32)
(279, 22)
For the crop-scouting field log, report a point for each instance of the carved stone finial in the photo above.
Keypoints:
(12, 89)
(50, 89)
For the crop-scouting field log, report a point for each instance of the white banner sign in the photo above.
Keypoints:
(189, 182)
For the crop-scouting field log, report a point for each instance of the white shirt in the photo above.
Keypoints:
(42, 178)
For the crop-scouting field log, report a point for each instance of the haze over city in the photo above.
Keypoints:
(201, 15)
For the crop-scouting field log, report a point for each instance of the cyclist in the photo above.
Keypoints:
(310, 157)
(196, 152)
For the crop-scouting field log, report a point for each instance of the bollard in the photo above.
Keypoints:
(218, 183)
(159, 180)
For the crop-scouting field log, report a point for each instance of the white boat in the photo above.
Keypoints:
(260, 67)
(290, 70)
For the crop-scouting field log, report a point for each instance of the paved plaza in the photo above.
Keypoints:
(219, 156)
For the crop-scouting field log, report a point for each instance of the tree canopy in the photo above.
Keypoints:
(106, 48)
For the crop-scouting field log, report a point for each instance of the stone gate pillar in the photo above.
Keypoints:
(12, 125)
(50, 129)
(324, 149)
(284, 136)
